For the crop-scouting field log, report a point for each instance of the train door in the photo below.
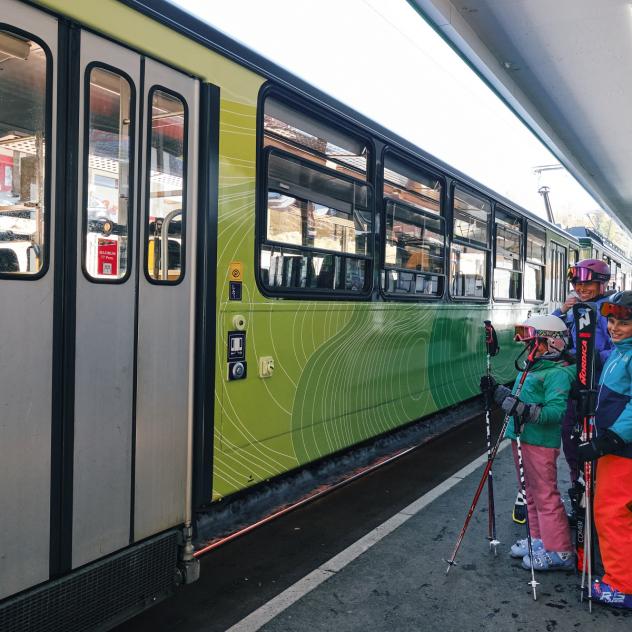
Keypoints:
(166, 300)
(105, 298)
(28, 69)
(134, 299)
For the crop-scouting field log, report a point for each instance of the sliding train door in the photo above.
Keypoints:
(109, 80)
(166, 291)
(134, 298)
(28, 73)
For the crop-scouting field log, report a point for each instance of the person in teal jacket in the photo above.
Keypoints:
(538, 415)
(611, 448)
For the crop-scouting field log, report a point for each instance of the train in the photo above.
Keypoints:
(212, 274)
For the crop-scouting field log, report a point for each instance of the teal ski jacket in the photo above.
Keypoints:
(547, 384)
(614, 405)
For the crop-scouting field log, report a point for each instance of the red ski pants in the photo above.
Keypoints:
(613, 519)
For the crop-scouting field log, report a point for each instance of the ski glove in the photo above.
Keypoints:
(488, 385)
(525, 412)
(608, 442)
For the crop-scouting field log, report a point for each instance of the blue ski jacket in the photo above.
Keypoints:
(614, 400)
(603, 342)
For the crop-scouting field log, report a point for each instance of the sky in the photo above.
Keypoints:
(380, 58)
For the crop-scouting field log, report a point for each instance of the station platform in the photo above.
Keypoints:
(394, 578)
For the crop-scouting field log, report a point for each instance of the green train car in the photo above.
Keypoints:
(211, 274)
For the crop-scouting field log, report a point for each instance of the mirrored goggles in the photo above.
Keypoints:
(579, 275)
(620, 312)
(524, 333)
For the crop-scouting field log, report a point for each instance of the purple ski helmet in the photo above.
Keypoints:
(590, 270)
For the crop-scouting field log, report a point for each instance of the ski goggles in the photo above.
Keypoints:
(580, 275)
(526, 333)
(620, 312)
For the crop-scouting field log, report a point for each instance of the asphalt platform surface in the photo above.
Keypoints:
(400, 583)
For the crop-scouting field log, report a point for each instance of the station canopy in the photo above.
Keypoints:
(565, 67)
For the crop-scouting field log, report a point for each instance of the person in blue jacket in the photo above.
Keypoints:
(611, 447)
(589, 278)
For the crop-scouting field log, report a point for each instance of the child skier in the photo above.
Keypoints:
(611, 447)
(589, 278)
(541, 406)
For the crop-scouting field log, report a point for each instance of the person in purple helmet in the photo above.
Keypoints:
(589, 278)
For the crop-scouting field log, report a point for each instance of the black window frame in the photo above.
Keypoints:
(521, 257)
(558, 281)
(325, 117)
(533, 262)
(185, 185)
(85, 168)
(441, 216)
(50, 156)
(487, 250)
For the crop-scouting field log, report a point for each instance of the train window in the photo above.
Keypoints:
(107, 174)
(533, 289)
(166, 201)
(300, 133)
(471, 218)
(508, 265)
(24, 111)
(319, 228)
(470, 249)
(468, 272)
(411, 186)
(558, 273)
(619, 277)
(414, 250)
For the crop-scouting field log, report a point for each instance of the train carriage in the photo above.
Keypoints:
(211, 274)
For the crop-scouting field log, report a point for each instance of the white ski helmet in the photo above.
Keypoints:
(544, 327)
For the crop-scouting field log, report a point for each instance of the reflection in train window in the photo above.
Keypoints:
(166, 188)
(23, 148)
(310, 213)
(468, 259)
(508, 265)
(468, 272)
(107, 208)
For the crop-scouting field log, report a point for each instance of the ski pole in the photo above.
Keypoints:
(529, 362)
(585, 317)
(523, 489)
(491, 342)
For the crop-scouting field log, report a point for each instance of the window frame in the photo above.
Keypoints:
(325, 117)
(441, 216)
(521, 256)
(456, 184)
(543, 266)
(85, 168)
(557, 246)
(48, 130)
(185, 186)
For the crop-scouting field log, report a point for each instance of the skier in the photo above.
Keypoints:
(540, 409)
(611, 447)
(589, 278)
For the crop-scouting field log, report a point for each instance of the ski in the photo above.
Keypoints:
(585, 317)
(491, 344)
(528, 365)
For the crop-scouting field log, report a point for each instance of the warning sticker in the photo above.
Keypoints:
(235, 271)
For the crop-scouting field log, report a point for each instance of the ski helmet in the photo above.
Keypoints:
(618, 306)
(546, 327)
(590, 270)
